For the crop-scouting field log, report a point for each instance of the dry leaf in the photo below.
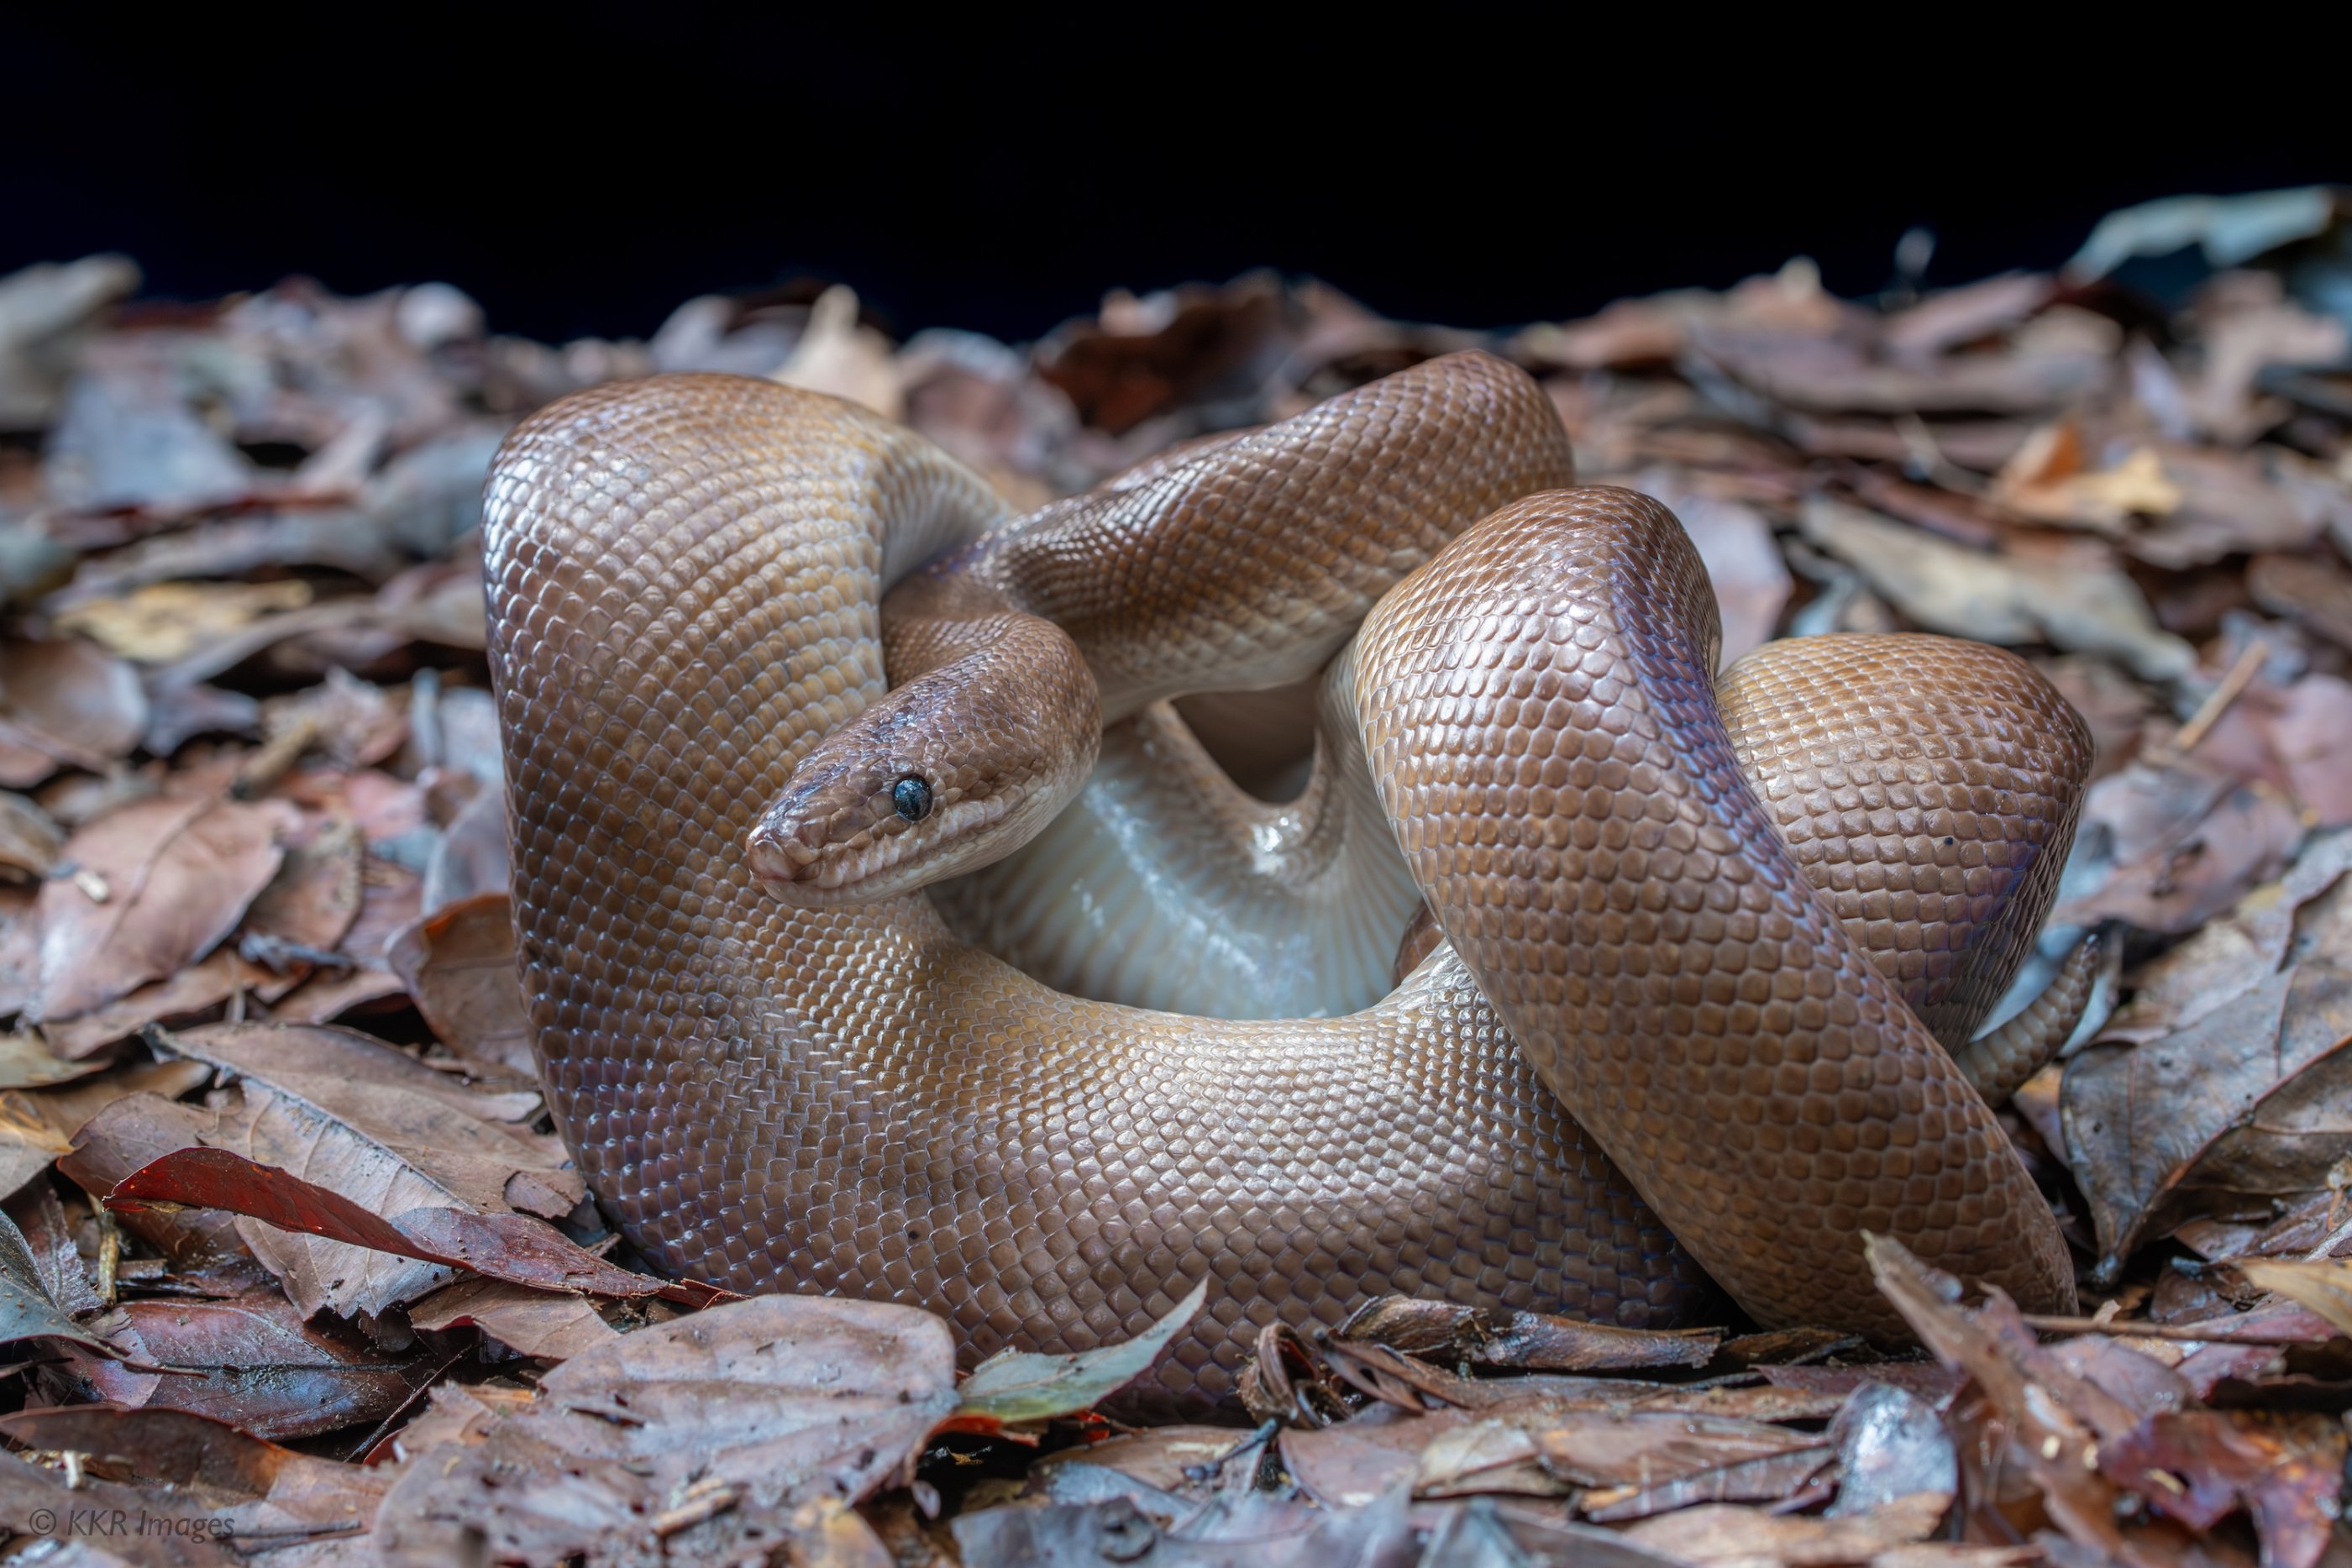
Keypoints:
(355, 1116)
(170, 620)
(2079, 601)
(779, 1400)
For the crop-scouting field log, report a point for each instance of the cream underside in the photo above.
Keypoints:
(1165, 885)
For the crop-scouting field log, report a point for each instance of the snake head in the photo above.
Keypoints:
(944, 775)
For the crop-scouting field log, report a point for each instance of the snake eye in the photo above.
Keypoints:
(912, 797)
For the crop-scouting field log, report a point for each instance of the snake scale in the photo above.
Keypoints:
(1680, 1025)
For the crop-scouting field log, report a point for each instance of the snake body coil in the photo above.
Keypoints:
(685, 581)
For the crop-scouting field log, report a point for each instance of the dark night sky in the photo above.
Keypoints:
(583, 169)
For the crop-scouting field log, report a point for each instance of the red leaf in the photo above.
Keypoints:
(510, 1247)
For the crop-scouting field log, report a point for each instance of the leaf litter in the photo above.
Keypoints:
(288, 1242)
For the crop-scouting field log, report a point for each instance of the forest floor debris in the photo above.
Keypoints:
(291, 1261)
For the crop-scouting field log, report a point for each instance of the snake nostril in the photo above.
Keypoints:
(779, 859)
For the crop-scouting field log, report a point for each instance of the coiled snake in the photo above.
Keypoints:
(778, 1069)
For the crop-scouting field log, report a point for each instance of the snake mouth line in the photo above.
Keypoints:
(875, 864)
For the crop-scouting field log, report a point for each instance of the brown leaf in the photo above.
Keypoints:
(2324, 1285)
(1366, 1457)
(2229, 505)
(2221, 1109)
(25, 1062)
(262, 1368)
(2051, 1419)
(1488, 1455)
(1643, 1448)
(2311, 731)
(315, 897)
(66, 702)
(207, 1482)
(390, 896)
(190, 995)
(1772, 1479)
(1250, 1532)
(2177, 845)
(177, 876)
(170, 620)
(1148, 359)
(545, 1323)
(1934, 1385)
(1951, 318)
(1743, 562)
(2075, 599)
(131, 1132)
(472, 856)
(35, 1502)
(38, 1125)
(2312, 590)
(1723, 1532)
(513, 1248)
(2225, 958)
(1161, 1457)
(351, 1114)
(459, 966)
(30, 840)
(2199, 1465)
(174, 1448)
(779, 1400)
(1818, 373)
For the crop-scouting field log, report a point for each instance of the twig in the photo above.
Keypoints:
(109, 1254)
(2217, 702)
(706, 1499)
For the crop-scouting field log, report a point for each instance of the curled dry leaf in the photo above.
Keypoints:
(165, 622)
(1532, 1341)
(459, 964)
(351, 1115)
(2200, 1466)
(531, 1322)
(30, 840)
(26, 1063)
(513, 1248)
(767, 1404)
(2248, 1103)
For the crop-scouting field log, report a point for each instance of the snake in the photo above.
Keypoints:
(1690, 942)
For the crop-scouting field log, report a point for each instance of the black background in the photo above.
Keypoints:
(582, 169)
